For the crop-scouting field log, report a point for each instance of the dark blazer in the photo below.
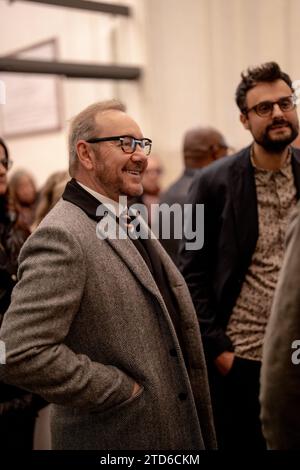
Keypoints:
(216, 272)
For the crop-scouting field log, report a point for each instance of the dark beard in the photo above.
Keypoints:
(277, 146)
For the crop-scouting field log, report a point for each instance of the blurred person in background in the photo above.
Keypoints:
(50, 194)
(152, 186)
(23, 196)
(152, 180)
(18, 408)
(280, 378)
(201, 147)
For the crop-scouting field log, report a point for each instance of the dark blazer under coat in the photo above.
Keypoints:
(86, 321)
(216, 272)
(175, 194)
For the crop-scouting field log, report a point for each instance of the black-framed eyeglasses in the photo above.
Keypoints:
(127, 143)
(7, 163)
(265, 108)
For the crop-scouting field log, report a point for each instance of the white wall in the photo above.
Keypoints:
(82, 37)
(192, 53)
(196, 52)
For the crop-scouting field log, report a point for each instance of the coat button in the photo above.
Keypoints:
(173, 352)
(182, 396)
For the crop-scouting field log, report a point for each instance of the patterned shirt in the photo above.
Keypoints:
(276, 197)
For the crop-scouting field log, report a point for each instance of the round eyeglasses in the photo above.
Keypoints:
(127, 143)
(265, 108)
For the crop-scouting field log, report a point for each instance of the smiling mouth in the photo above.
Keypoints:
(133, 172)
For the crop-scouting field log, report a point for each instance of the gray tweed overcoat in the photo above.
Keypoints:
(85, 322)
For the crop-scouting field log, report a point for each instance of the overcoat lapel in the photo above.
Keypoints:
(132, 258)
(135, 262)
(75, 194)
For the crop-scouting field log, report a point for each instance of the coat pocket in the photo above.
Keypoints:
(121, 405)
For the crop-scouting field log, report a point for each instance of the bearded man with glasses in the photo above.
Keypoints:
(248, 199)
(105, 328)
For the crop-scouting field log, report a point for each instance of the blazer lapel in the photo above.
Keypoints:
(296, 169)
(244, 201)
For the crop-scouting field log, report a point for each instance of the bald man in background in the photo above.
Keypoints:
(201, 147)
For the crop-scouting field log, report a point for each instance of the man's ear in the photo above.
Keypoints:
(84, 154)
(245, 121)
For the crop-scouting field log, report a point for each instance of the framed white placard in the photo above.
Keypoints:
(33, 101)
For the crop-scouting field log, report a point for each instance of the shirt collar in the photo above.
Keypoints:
(285, 170)
(119, 207)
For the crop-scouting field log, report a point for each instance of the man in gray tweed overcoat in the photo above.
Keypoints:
(104, 327)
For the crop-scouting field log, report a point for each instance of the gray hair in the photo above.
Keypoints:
(83, 126)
